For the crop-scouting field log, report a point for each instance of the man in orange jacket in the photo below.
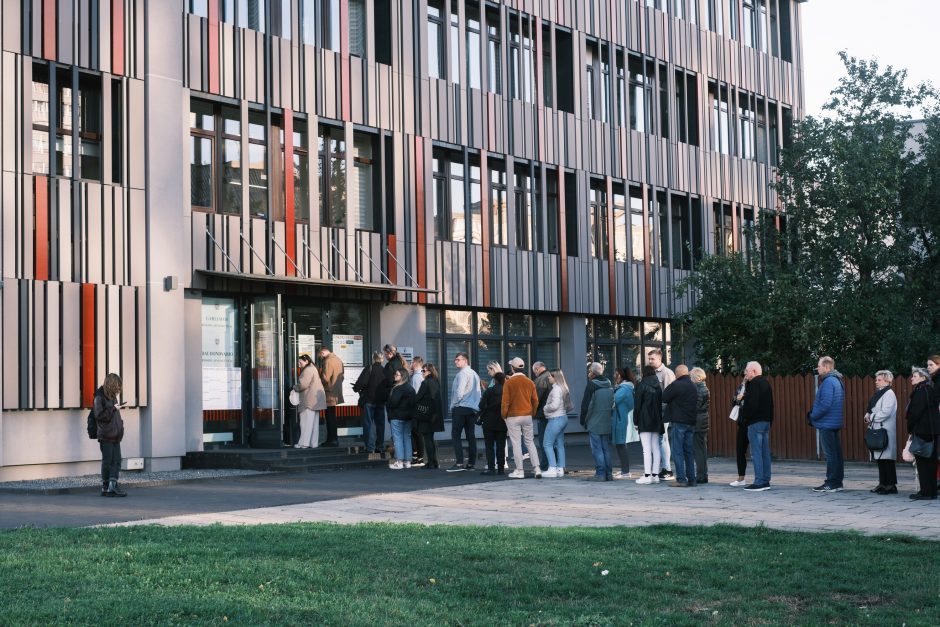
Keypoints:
(520, 402)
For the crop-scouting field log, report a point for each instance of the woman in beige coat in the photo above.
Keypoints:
(312, 401)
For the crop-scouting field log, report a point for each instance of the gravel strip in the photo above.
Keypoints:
(62, 485)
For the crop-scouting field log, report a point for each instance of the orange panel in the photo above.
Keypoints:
(88, 344)
(41, 230)
(48, 29)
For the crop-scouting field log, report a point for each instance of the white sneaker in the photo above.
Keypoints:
(654, 478)
(407, 464)
(644, 480)
(550, 473)
(538, 473)
(560, 472)
(738, 484)
(517, 474)
(617, 474)
(396, 465)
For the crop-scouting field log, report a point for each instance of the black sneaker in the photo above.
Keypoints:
(488, 472)
(755, 487)
(469, 467)
(456, 468)
(666, 475)
(827, 488)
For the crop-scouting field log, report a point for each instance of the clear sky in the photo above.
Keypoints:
(901, 33)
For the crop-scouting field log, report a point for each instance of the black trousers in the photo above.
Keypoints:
(700, 449)
(540, 425)
(741, 448)
(417, 441)
(430, 450)
(887, 472)
(624, 458)
(331, 425)
(927, 473)
(495, 444)
(110, 460)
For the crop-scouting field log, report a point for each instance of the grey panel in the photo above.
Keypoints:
(199, 241)
(37, 346)
(71, 345)
(53, 355)
(135, 131)
(8, 122)
(104, 36)
(91, 195)
(65, 30)
(8, 232)
(11, 332)
(143, 381)
(12, 24)
(138, 232)
(128, 347)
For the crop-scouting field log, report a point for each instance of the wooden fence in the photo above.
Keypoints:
(790, 436)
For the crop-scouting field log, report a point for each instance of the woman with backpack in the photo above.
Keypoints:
(110, 433)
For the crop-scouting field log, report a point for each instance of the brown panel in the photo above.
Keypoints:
(117, 36)
(563, 238)
(213, 47)
(647, 265)
(48, 29)
(420, 218)
(485, 231)
(611, 264)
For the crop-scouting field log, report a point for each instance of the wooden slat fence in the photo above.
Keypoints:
(790, 436)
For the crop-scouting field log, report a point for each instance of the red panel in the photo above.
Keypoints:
(420, 217)
(611, 265)
(563, 239)
(214, 47)
(392, 264)
(117, 37)
(88, 344)
(345, 97)
(289, 217)
(41, 217)
(48, 29)
(647, 262)
(485, 231)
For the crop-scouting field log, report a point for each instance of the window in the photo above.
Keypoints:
(40, 119)
(547, 66)
(687, 108)
(597, 208)
(564, 70)
(720, 119)
(747, 127)
(724, 230)
(681, 233)
(435, 40)
(332, 172)
(454, 44)
(474, 39)
(89, 126)
(620, 223)
(244, 13)
(623, 341)
(257, 165)
(698, 231)
(301, 168)
(281, 22)
(677, 7)
(450, 222)
(525, 223)
(476, 202)
(715, 20)
(494, 51)
(747, 23)
(641, 95)
(621, 90)
(498, 218)
(202, 155)
(638, 236)
(607, 101)
(320, 22)
(87, 135)
(571, 214)
(231, 161)
(383, 36)
(199, 7)
(786, 36)
(590, 87)
(357, 28)
(748, 234)
(117, 130)
(663, 101)
(551, 210)
(774, 137)
(361, 181)
(774, 30)
(521, 58)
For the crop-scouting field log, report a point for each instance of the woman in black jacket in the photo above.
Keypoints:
(923, 420)
(110, 433)
(429, 414)
(401, 410)
(648, 416)
(491, 417)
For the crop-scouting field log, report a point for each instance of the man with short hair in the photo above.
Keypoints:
(331, 373)
(654, 357)
(681, 402)
(596, 416)
(827, 416)
(542, 388)
(464, 405)
(519, 404)
(757, 413)
(417, 377)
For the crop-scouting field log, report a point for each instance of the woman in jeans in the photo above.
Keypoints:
(882, 414)
(401, 409)
(491, 419)
(624, 384)
(648, 414)
(557, 407)
(741, 441)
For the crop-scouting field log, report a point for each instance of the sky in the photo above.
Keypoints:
(901, 33)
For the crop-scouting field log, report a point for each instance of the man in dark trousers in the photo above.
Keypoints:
(542, 388)
(681, 402)
(332, 375)
(757, 412)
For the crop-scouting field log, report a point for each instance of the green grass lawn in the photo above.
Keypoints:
(314, 574)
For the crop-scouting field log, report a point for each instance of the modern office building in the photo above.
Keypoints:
(195, 192)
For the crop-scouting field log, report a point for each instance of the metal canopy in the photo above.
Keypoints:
(290, 280)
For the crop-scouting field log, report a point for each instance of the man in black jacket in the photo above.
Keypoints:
(757, 412)
(681, 401)
(373, 392)
(542, 388)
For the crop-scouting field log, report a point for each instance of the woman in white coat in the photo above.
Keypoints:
(312, 401)
(882, 413)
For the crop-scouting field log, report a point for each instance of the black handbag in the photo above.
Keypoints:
(921, 447)
(876, 439)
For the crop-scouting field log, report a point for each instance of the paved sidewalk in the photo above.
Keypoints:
(790, 504)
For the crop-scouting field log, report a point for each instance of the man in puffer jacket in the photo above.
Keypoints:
(828, 417)
(596, 418)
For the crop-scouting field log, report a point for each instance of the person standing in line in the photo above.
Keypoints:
(741, 440)
(701, 426)
(923, 420)
(557, 407)
(491, 417)
(464, 405)
(517, 408)
(332, 377)
(312, 401)
(373, 392)
(417, 440)
(681, 401)
(429, 413)
(622, 430)
(648, 414)
(827, 417)
(542, 388)
(757, 412)
(933, 369)
(401, 411)
(107, 412)
(417, 372)
(665, 376)
(882, 414)
(596, 417)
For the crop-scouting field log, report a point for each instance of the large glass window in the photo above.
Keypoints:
(474, 41)
(747, 127)
(597, 201)
(450, 221)
(435, 40)
(361, 181)
(498, 219)
(624, 342)
(638, 234)
(244, 13)
(257, 165)
(494, 51)
(476, 201)
(357, 28)
(641, 96)
(202, 155)
(721, 119)
(548, 69)
(552, 210)
(621, 225)
(301, 168)
(332, 172)
(40, 120)
(687, 107)
(724, 229)
(523, 187)
(454, 44)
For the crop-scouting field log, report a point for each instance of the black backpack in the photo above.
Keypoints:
(92, 426)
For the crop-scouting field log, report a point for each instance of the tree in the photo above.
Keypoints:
(849, 273)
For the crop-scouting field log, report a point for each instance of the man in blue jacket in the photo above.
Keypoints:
(828, 417)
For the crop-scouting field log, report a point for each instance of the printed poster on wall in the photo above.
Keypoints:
(350, 349)
(307, 345)
(221, 378)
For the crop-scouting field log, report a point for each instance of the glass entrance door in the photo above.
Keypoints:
(267, 396)
(304, 337)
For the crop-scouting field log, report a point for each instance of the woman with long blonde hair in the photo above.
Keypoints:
(557, 407)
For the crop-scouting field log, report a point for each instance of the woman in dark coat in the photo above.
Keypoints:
(401, 411)
(429, 413)
(491, 417)
(923, 420)
(648, 416)
(110, 433)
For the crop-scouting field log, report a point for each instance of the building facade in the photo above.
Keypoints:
(258, 178)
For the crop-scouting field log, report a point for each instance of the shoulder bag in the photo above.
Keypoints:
(876, 439)
(921, 447)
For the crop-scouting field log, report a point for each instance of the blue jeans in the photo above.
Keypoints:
(600, 448)
(832, 449)
(373, 426)
(758, 434)
(401, 437)
(555, 439)
(463, 420)
(683, 451)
